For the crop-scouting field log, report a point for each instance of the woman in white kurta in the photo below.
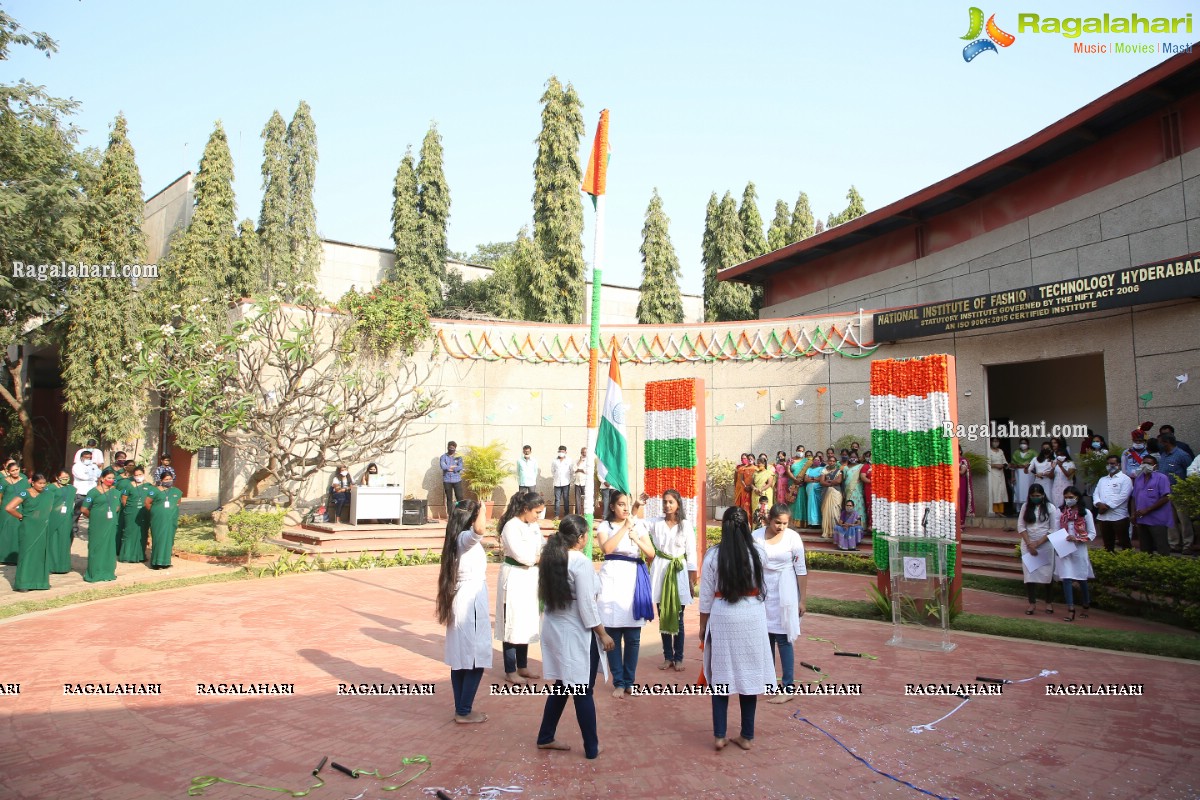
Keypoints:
(1064, 476)
(1022, 471)
(733, 626)
(1037, 520)
(571, 630)
(785, 575)
(462, 606)
(625, 598)
(997, 485)
(517, 614)
(674, 541)
(1077, 566)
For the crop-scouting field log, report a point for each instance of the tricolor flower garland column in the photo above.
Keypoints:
(672, 451)
(914, 481)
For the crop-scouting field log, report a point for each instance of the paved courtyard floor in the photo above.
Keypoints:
(317, 631)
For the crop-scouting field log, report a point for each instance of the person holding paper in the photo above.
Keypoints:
(1037, 520)
(1077, 566)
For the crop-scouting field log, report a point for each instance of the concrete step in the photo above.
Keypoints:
(1009, 566)
(356, 546)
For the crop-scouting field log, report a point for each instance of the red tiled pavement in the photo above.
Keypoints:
(321, 629)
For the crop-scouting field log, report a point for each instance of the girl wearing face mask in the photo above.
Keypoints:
(339, 494)
(102, 507)
(997, 484)
(743, 484)
(1076, 566)
(13, 483)
(135, 519)
(785, 575)
(799, 499)
(812, 490)
(1021, 459)
(1042, 467)
(852, 489)
(31, 509)
(1064, 476)
(831, 501)
(1037, 520)
(1131, 459)
(672, 574)
(626, 600)
(164, 519)
(62, 517)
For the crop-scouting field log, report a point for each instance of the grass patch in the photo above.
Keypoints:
(195, 535)
(987, 583)
(105, 592)
(850, 609)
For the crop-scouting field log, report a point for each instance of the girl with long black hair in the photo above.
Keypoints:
(462, 606)
(626, 602)
(672, 573)
(1037, 520)
(733, 625)
(570, 652)
(517, 615)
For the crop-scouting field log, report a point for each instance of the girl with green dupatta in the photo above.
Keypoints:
(102, 507)
(31, 509)
(135, 519)
(672, 573)
(13, 483)
(62, 519)
(164, 518)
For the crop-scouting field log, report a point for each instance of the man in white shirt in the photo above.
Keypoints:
(580, 481)
(1194, 468)
(563, 469)
(527, 470)
(97, 454)
(1111, 500)
(86, 475)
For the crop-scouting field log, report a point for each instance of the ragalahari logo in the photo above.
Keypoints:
(995, 36)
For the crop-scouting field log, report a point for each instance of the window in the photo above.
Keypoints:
(208, 458)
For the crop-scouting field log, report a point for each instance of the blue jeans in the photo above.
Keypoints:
(1069, 593)
(585, 712)
(465, 682)
(562, 494)
(720, 709)
(623, 658)
(516, 656)
(787, 657)
(673, 642)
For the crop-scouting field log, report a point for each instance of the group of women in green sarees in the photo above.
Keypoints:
(36, 518)
(822, 482)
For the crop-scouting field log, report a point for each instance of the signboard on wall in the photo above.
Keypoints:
(1150, 283)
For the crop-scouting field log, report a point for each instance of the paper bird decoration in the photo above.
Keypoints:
(739, 406)
(822, 389)
(534, 394)
(490, 418)
(1146, 398)
(776, 417)
(859, 402)
(800, 402)
(432, 416)
(567, 406)
(837, 415)
(720, 418)
(477, 393)
(548, 417)
(1182, 380)
(762, 392)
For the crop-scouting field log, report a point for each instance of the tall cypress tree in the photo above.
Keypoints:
(804, 224)
(304, 243)
(246, 262)
(709, 259)
(819, 227)
(660, 302)
(733, 301)
(752, 224)
(105, 316)
(855, 208)
(273, 218)
(535, 285)
(198, 266)
(433, 211)
(557, 203)
(778, 235)
(406, 238)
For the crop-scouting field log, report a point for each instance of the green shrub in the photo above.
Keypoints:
(1149, 581)
(720, 473)
(840, 562)
(249, 528)
(978, 464)
(485, 468)
(1186, 495)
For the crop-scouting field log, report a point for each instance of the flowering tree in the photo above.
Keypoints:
(288, 388)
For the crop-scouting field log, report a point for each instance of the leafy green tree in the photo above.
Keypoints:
(490, 253)
(198, 267)
(273, 218)
(304, 242)
(433, 211)
(557, 203)
(406, 238)
(804, 224)
(819, 227)
(752, 224)
(247, 261)
(660, 302)
(854, 209)
(708, 258)
(42, 207)
(106, 316)
(532, 276)
(725, 247)
(779, 234)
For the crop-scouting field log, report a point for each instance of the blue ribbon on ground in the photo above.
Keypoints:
(643, 604)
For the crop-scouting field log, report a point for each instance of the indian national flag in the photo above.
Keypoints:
(596, 178)
(612, 450)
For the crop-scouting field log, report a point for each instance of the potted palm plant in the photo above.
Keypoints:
(720, 474)
(485, 468)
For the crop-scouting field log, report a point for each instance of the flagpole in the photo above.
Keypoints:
(594, 184)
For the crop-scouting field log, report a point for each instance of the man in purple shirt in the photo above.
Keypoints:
(1152, 510)
(451, 466)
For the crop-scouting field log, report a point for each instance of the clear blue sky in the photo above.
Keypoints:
(704, 97)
